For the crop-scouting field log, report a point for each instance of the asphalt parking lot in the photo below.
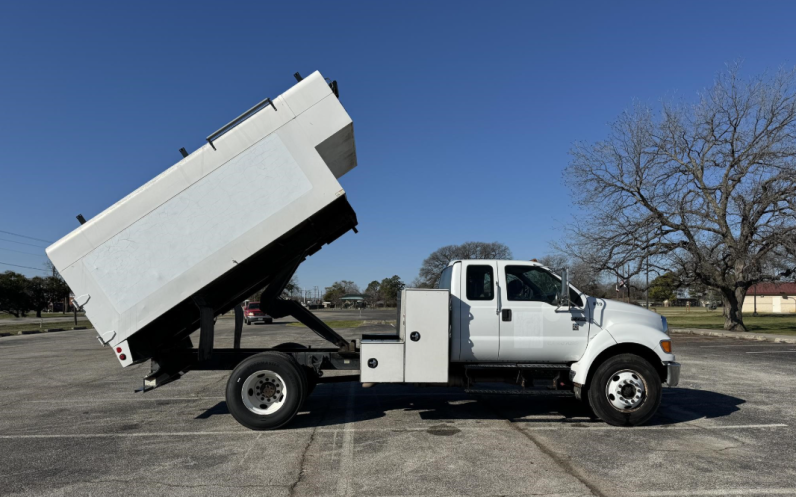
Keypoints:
(71, 425)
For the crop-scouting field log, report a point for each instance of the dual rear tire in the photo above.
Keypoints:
(265, 391)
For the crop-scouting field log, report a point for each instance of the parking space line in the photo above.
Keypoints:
(136, 399)
(347, 451)
(344, 487)
(773, 352)
(663, 427)
(743, 345)
(133, 435)
(726, 491)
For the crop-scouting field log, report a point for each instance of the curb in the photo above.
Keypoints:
(738, 335)
(39, 332)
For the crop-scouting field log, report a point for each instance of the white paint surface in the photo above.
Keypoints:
(208, 215)
(528, 329)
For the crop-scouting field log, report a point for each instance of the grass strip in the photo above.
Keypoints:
(335, 324)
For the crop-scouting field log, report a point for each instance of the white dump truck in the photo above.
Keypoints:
(242, 212)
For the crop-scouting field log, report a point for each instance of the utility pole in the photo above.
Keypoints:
(647, 289)
(755, 298)
(627, 272)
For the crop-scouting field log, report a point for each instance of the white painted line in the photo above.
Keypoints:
(742, 345)
(347, 450)
(344, 487)
(774, 352)
(134, 435)
(103, 401)
(726, 491)
(647, 428)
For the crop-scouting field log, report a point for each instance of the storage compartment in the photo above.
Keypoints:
(425, 327)
(382, 361)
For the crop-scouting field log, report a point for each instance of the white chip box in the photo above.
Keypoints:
(195, 222)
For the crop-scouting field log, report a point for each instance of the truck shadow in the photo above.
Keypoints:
(329, 405)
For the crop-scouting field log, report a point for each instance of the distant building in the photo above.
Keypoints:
(772, 298)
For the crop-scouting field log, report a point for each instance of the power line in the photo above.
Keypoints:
(21, 243)
(21, 251)
(25, 236)
(26, 267)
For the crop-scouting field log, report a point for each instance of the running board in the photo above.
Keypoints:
(503, 365)
(545, 393)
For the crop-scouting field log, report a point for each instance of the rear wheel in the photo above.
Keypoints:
(309, 374)
(625, 390)
(265, 391)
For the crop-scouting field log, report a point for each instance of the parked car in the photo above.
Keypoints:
(253, 314)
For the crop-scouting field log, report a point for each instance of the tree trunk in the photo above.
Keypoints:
(38, 313)
(733, 304)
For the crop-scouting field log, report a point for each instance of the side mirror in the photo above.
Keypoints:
(563, 296)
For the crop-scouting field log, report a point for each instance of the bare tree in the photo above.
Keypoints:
(432, 267)
(581, 275)
(708, 188)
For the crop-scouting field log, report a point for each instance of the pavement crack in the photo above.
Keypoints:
(565, 464)
(292, 488)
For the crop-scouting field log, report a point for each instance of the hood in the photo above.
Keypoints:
(606, 313)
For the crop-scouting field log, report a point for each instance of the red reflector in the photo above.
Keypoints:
(118, 349)
(122, 357)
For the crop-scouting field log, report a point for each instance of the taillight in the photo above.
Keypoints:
(118, 349)
(122, 357)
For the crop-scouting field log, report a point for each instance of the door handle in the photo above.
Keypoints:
(506, 314)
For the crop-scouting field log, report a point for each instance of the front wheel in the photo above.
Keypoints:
(265, 391)
(625, 390)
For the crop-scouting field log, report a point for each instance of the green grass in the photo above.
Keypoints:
(336, 324)
(67, 325)
(68, 315)
(698, 317)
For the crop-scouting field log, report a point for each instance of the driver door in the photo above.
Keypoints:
(533, 328)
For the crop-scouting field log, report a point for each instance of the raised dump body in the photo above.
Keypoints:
(237, 215)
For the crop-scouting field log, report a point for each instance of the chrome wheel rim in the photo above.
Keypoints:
(626, 390)
(264, 392)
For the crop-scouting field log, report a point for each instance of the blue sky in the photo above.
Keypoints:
(464, 112)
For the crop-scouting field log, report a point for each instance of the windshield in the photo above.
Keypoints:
(253, 306)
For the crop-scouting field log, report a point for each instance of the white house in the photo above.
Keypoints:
(771, 298)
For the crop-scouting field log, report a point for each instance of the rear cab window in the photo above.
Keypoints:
(480, 282)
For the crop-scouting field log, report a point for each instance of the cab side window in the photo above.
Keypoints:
(480, 283)
(531, 283)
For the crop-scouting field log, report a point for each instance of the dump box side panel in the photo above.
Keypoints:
(188, 227)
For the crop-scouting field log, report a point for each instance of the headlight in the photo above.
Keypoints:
(665, 324)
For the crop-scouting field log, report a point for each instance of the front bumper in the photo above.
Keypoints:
(672, 373)
(260, 319)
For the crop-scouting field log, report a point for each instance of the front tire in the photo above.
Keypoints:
(625, 390)
(265, 391)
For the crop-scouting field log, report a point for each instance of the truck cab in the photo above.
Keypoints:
(519, 322)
